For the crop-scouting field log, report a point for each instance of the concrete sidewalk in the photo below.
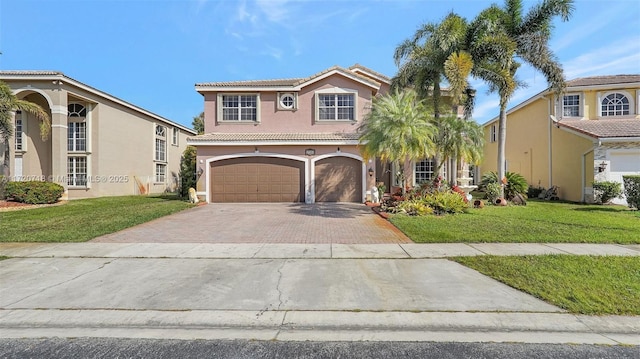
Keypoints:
(318, 251)
(332, 292)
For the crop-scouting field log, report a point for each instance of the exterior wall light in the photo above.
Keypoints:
(602, 166)
(370, 172)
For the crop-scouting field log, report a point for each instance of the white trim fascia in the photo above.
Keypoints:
(272, 143)
(627, 85)
(372, 75)
(40, 92)
(80, 85)
(251, 89)
(619, 139)
(574, 132)
(349, 75)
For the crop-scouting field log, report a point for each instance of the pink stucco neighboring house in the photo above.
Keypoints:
(287, 140)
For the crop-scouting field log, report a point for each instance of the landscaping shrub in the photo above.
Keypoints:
(534, 192)
(3, 182)
(444, 202)
(493, 192)
(632, 190)
(515, 183)
(187, 171)
(605, 191)
(33, 192)
(414, 207)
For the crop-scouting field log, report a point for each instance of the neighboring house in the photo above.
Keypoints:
(591, 133)
(291, 140)
(99, 145)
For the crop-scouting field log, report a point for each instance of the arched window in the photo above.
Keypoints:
(76, 110)
(615, 104)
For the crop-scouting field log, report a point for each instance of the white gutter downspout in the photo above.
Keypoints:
(551, 120)
(584, 178)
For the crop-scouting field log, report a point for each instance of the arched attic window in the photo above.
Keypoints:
(615, 104)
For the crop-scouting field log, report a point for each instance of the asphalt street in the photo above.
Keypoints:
(240, 349)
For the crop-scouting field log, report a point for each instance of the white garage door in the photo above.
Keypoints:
(623, 163)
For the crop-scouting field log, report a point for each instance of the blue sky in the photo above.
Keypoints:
(152, 52)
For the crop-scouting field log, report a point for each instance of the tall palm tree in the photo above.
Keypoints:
(435, 53)
(499, 37)
(9, 103)
(397, 129)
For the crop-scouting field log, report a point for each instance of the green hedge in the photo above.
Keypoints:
(632, 190)
(33, 192)
(605, 191)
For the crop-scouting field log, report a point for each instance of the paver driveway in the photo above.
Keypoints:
(349, 223)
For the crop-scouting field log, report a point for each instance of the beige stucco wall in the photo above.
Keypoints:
(526, 149)
(567, 165)
(120, 149)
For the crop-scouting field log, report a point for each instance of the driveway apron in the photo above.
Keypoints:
(345, 223)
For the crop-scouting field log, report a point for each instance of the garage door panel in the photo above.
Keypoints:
(257, 179)
(338, 179)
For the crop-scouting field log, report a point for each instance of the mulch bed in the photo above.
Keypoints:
(6, 206)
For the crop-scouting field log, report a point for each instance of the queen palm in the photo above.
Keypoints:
(9, 103)
(397, 129)
(499, 37)
(438, 52)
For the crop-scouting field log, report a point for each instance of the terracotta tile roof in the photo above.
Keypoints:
(605, 128)
(358, 66)
(280, 137)
(291, 82)
(603, 80)
(29, 72)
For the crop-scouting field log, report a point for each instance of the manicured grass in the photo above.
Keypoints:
(82, 220)
(580, 284)
(539, 221)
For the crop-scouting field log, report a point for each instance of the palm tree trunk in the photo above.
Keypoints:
(6, 164)
(502, 136)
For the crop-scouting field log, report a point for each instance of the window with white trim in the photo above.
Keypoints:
(423, 171)
(493, 133)
(19, 132)
(571, 105)
(336, 107)
(174, 136)
(238, 108)
(77, 171)
(615, 104)
(161, 143)
(161, 173)
(77, 137)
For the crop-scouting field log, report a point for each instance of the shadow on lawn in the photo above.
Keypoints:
(603, 209)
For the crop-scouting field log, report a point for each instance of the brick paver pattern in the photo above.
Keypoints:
(346, 223)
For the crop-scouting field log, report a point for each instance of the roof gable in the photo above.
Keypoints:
(291, 84)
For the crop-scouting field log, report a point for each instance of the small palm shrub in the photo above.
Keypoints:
(34, 192)
(414, 207)
(446, 202)
(605, 191)
(516, 184)
(632, 190)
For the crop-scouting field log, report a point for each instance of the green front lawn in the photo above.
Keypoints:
(580, 284)
(538, 222)
(84, 219)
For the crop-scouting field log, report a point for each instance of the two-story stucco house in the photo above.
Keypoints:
(99, 144)
(590, 133)
(288, 140)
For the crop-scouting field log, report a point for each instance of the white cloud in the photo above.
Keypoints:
(277, 11)
(623, 56)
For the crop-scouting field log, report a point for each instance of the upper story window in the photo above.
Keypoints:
(77, 136)
(571, 105)
(238, 108)
(336, 107)
(161, 143)
(76, 110)
(493, 133)
(287, 101)
(19, 131)
(615, 104)
(174, 136)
